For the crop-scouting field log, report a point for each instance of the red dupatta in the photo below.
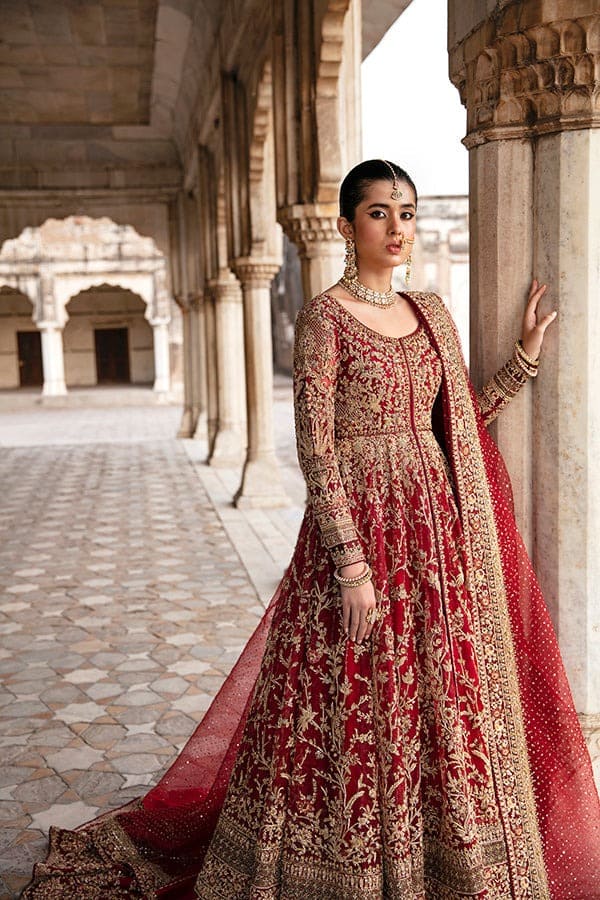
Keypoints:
(541, 751)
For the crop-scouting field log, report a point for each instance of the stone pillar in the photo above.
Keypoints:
(53, 361)
(528, 78)
(162, 368)
(198, 366)
(261, 481)
(186, 428)
(566, 409)
(501, 254)
(193, 361)
(212, 390)
(229, 445)
(312, 227)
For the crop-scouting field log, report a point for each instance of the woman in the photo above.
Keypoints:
(410, 733)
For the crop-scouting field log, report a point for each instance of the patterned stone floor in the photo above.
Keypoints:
(123, 603)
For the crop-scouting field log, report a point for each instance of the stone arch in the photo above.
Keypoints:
(20, 345)
(69, 286)
(328, 100)
(60, 258)
(264, 235)
(143, 221)
(107, 337)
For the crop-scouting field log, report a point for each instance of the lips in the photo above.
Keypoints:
(394, 248)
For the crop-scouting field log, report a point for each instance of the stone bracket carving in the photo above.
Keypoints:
(520, 76)
(310, 225)
(256, 272)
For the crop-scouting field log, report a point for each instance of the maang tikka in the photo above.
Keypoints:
(397, 195)
(396, 192)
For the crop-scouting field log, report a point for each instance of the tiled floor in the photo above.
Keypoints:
(124, 600)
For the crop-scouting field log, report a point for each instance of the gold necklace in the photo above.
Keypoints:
(356, 288)
(368, 295)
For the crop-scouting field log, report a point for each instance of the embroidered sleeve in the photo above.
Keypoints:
(316, 354)
(506, 384)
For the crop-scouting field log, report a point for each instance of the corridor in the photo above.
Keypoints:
(128, 586)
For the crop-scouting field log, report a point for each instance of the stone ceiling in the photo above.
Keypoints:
(102, 93)
(72, 62)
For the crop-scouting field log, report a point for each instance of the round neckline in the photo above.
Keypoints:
(379, 334)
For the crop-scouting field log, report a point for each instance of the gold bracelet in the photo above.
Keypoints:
(525, 369)
(525, 356)
(357, 580)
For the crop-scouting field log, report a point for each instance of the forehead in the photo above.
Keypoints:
(381, 191)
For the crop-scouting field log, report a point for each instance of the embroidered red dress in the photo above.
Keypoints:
(443, 758)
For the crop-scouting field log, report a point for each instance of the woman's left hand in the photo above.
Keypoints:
(532, 335)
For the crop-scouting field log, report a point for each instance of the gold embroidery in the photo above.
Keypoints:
(507, 738)
(93, 863)
(370, 771)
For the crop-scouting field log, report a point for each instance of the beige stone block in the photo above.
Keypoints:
(18, 54)
(81, 78)
(87, 23)
(10, 77)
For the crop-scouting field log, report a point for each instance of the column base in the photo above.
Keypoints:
(186, 428)
(55, 390)
(261, 486)
(201, 429)
(228, 450)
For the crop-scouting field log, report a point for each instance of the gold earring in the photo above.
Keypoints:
(408, 267)
(350, 270)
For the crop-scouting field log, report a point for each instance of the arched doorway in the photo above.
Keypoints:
(20, 342)
(107, 339)
(122, 328)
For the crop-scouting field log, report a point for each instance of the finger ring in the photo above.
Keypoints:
(371, 615)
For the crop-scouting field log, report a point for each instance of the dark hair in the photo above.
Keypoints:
(361, 177)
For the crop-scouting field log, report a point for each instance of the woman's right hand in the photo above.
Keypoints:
(356, 602)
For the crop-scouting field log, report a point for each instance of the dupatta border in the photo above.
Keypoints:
(498, 670)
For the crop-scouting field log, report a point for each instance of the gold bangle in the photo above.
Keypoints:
(357, 580)
(525, 356)
(524, 368)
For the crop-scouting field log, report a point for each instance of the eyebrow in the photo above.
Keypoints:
(387, 206)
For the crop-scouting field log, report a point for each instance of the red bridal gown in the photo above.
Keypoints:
(441, 759)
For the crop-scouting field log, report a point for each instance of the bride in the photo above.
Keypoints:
(400, 725)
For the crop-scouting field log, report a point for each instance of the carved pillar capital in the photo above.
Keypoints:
(530, 70)
(225, 288)
(256, 272)
(311, 226)
(196, 301)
